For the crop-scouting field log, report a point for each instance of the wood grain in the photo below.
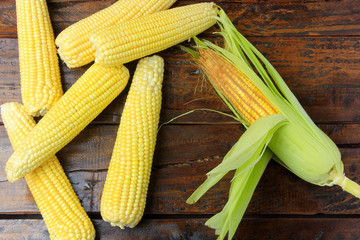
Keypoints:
(323, 73)
(253, 17)
(314, 44)
(161, 229)
(180, 165)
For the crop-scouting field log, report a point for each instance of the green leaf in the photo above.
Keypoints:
(204, 187)
(246, 152)
(193, 53)
(251, 145)
(237, 212)
(241, 191)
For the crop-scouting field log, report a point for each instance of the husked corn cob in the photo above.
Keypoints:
(71, 114)
(74, 43)
(240, 91)
(124, 196)
(39, 67)
(63, 214)
(149, 34)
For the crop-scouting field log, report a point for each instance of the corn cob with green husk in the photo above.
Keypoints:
(152, 33)
(74, 43)
(39, 67)
(276, 124)
(86, 99)
(124, 196)
(63, 214)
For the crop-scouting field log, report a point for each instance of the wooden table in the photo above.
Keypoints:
(315, 45)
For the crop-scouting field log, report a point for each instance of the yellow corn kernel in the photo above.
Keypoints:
(238, 89)
(149, 34)
(67, 118)
(74, 43)
(39, 66)
(124, 196)
(59, 196)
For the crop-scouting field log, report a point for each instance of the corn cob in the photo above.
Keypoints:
(74, 43)
(299, 145)
(288, 132)
(63, 214)
(124, 196)
(39, 67)
(152, 33)
(240, 91)
(71, 114)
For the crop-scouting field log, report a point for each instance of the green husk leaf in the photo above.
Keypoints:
(192, 52)
(244, 154)
(251, 144)
(204, 187)
(241, 191)
(211, 180)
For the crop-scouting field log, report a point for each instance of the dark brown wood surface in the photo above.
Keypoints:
(163, 229)
(254, 17)
(315, 45)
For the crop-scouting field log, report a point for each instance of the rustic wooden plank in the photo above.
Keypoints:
(253, 17)
(323, 73)
(91, 150)
(180, 165)
(158, 229)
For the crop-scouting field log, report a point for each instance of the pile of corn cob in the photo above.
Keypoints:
(126, 31)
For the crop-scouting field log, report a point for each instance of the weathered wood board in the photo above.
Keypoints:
(161, 229)
(323, 73)
(180, 165)
(253, 17)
